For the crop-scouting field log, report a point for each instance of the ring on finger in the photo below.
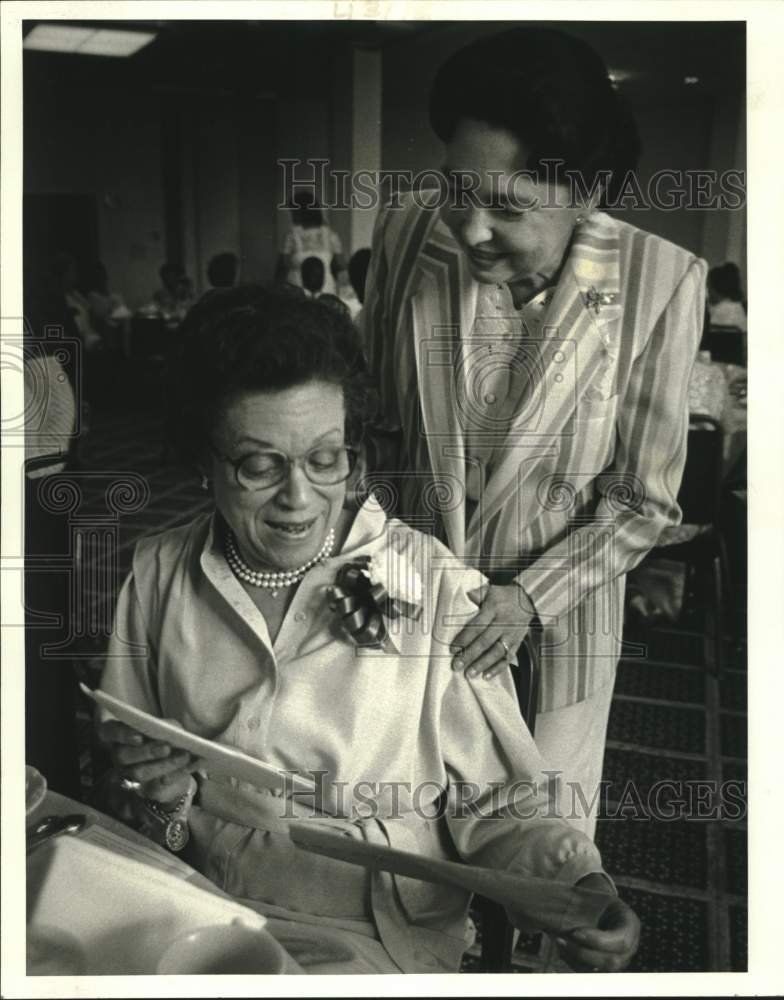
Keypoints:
(130, 785)
(507, 652)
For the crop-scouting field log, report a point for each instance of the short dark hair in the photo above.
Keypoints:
(222, 270)
(256, 338)
(312, 274)
(334, 302)
(552, 91)
(305, 209)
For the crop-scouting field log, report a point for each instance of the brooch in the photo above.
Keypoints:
(594, 299)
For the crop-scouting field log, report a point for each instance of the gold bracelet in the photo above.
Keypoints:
(175, 832)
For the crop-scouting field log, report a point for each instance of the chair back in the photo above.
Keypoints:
(148, 337)
(725, 343)
(700, 491)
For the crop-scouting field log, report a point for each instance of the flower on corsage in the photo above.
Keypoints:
(362, 598)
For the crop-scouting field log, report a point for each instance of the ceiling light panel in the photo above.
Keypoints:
(106, 42)
(57, 37)
(88, 41)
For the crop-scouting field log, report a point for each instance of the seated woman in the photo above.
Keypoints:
(233, 626)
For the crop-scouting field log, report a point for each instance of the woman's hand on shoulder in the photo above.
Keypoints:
(490, 641)
(163, 772)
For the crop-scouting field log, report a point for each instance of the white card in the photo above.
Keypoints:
(222, 759)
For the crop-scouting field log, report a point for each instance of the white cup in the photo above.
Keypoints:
(223, 949)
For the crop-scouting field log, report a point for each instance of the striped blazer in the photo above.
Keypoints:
(589, 471)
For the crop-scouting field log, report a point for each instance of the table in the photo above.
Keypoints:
(716, 389)
(312, 946)
(656, 588)
(123, 842)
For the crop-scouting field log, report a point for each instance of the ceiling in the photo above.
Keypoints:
(256, 58)
(266, 58)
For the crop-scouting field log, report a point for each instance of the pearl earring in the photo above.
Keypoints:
(205, 483)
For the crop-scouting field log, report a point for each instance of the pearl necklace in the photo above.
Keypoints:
(274, 581)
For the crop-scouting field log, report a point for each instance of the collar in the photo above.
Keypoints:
(366, 532)
(368, 536)
(593, 261)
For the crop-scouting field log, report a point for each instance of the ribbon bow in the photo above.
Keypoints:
(363, 603)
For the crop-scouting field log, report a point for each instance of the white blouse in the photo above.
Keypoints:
(189, 644)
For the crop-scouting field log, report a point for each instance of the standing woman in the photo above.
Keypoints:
(536, 354)
(308, 237)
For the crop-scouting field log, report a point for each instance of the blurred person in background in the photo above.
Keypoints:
(310, 236)
(223, 270)
(725, 297)
(175, 296)
(109, 315)
(65, 282)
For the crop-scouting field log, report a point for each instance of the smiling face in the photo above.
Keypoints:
(503, 240)
(282, 526)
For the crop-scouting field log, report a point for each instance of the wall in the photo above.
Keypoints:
(673, 137)
(225, 161)
(113, 155)
(366, 135)
(209, 186)
(228, 185)
(692, 131)
(724, 233)
(339, 123)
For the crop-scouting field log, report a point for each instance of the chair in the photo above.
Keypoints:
(698, 542)
(148, 337)
(497, 931)
(725, 343)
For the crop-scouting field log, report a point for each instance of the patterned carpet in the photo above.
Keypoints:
(671, 720)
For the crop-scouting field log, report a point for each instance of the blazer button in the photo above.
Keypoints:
(300, 616)
(254, 722)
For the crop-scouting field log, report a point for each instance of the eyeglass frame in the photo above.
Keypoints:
(352, 453)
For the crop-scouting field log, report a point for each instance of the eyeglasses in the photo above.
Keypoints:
(323, 466)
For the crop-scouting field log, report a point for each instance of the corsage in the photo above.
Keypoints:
(363, 599)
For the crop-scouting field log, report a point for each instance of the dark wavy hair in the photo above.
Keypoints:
(254, 338)
(551, 90)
